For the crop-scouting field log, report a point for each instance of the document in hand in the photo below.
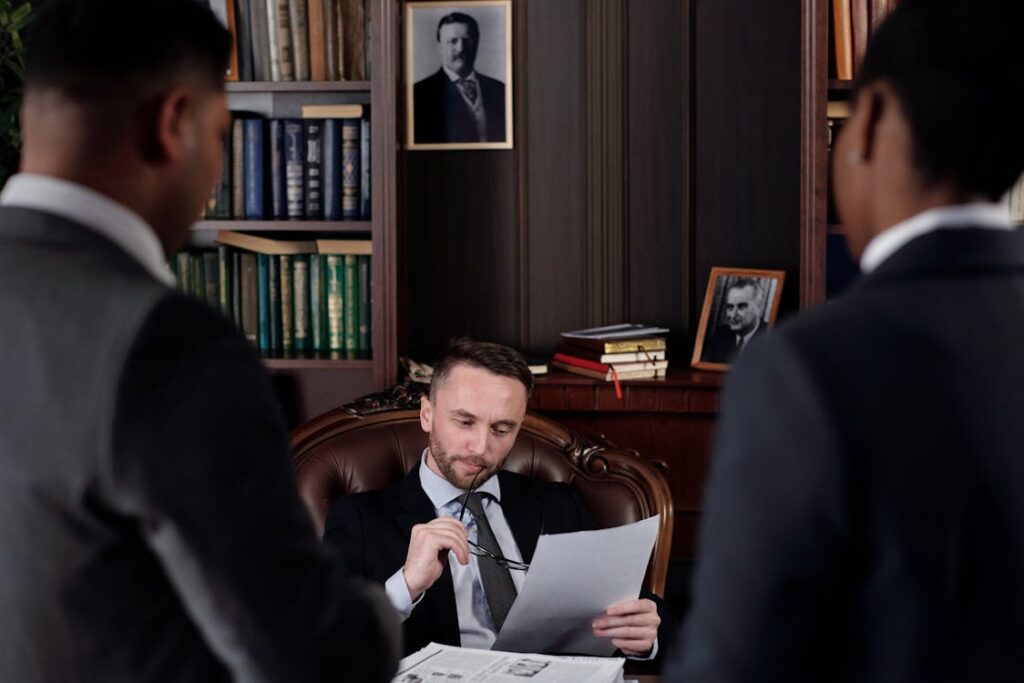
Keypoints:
(444, 663)
(573, 579)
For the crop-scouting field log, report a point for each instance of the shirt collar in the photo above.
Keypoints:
(440, 491)
(975, 215)
(455, 78)
(112, 220)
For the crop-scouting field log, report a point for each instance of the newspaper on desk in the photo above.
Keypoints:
(436, 663)
(573, 578)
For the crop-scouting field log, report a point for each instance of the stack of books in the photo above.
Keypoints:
(613, 353)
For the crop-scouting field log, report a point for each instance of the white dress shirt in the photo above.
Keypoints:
(476, 625)
(982, 215)
(112, 220)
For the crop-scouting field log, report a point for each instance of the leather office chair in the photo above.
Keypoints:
(339, 453)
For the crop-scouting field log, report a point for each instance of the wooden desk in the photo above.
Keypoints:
(669, 420)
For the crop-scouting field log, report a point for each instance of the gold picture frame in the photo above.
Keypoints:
(739, 304)
(449, 104)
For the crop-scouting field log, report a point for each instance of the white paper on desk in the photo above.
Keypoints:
(573, 579)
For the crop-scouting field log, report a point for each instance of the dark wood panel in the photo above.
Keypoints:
(462, 248)
(658, 142)
(747, 146)
(555, 165)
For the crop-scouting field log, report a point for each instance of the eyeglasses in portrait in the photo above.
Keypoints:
(740, 304)
(458, 74)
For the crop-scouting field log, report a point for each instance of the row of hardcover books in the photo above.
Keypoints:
(295, 40)
(313, 168)
(853, 22)
(304, 303)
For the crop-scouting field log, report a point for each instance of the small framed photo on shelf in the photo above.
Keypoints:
(739, 305)
(458, 74)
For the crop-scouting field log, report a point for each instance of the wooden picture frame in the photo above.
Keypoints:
(740, 303)
(442, 110)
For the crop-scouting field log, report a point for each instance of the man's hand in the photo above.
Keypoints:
(428, 552)
(631, 624)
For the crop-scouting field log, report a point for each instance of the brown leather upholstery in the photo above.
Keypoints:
(338, 453)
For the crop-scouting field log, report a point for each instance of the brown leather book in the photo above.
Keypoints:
(232, 74)
(842, 38)
(353, 23)
(861, 16)
(317, 41)
(332, 39)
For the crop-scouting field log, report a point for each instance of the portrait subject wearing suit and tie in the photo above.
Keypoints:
(741, 306)
(460, 75)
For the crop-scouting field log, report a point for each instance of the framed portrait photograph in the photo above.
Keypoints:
(458, 74)
(739, 305)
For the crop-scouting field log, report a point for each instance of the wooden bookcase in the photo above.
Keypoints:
(310, 386)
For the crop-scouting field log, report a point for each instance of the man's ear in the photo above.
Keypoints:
(873, 101)
(172, 131)
(426, 413)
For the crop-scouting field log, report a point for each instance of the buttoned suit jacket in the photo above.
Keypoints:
(371, 530)
(150, 529)
(442, 115)
(863, 517)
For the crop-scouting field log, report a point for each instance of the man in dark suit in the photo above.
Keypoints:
(742, 322)
(457, 103)
(150, 527)
(451, 582)
(864, 519)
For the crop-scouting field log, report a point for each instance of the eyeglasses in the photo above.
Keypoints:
(481, 551)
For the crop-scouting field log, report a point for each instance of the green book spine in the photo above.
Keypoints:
(236, 287)
(351, 304)
(211, 278)
(365, 314)
(195, 266)
(335, 276)
(224, 270)
(287, 304)
(263, 280)
(250, 299)
(317, 304)
(300, 286)
(274, 284)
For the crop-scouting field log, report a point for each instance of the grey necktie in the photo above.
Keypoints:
(497, 580)
(470, 89)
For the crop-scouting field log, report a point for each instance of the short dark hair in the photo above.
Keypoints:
(89, 50)
(741, 282)
(460, 18)
(501, 360)
(958, 73)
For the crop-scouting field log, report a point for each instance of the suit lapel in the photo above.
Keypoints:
(522, 513)
(436, 618)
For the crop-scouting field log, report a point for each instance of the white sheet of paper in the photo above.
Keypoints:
(573, 578)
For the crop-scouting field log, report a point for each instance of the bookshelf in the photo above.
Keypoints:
(311, 381)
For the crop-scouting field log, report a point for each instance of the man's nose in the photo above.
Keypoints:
(476, 442)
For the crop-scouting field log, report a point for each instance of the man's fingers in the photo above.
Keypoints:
(632, 607)
(649, 620)
(633, 648)
(627, 632)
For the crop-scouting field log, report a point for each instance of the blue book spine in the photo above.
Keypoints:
(294, 169)
(350, 174)
(263, 297)
(332, 169)
(278, 200)
(314, 169)
(364, 167)
(253, 131)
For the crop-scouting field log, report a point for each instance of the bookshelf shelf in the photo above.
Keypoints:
(286, 226)
(317, 364)
(840, 85)
(297, 86)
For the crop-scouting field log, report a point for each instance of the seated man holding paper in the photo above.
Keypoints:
(454, 582)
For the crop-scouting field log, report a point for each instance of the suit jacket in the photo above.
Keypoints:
(863, 518)
(442, 115)
(371, 531)
(721, 347)
(150, 527)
